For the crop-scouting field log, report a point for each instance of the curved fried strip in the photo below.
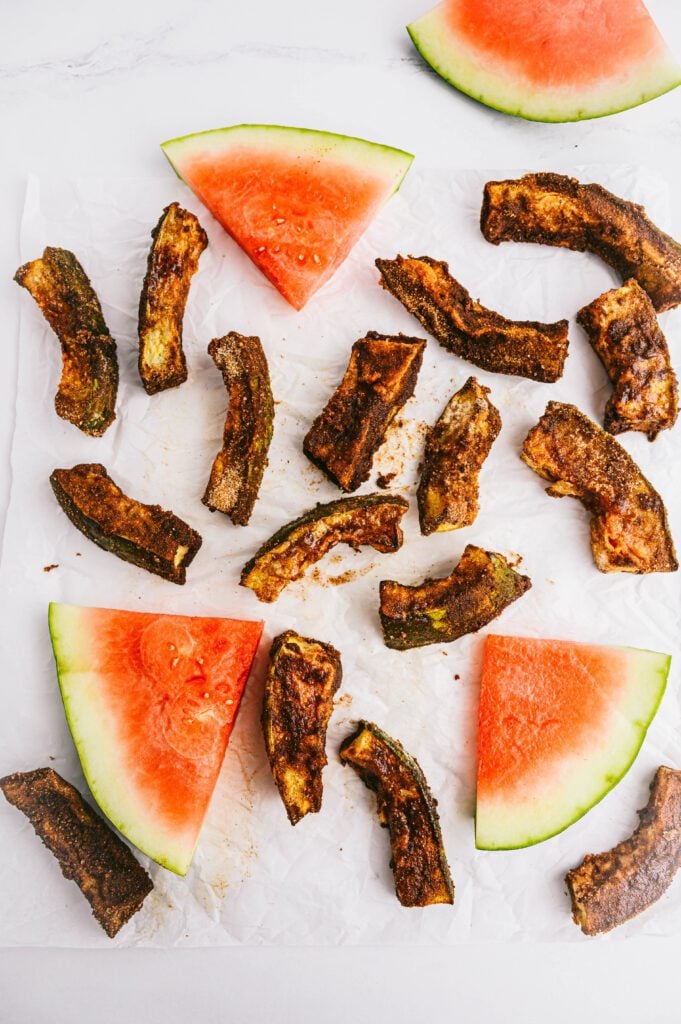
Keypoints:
(87, 390)
(88, 851)
(238, 468)
(439, 611)
(371, 519)
(302, 679)
(553, 209)
(145, 535)
(407, 808)
(523, 347)
(623, 330)
(608, 889)
(177, 243)
(629, 529)
(380, 377)
(456, 448)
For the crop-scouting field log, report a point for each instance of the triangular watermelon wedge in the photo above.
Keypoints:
(559, 724)
(151, 701)
(295, 200)
(548, 60)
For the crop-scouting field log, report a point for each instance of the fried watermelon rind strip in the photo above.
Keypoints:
(623, 330)
(145, 535)
(439, 611)
(302, 678)
(371, 519)
(177, 243)
(525, 348)
(554, 209)
(407, 808)
(380, 377)
(456, 448)
(610, 888)
(88, 851)
(239, 466)
(87, 390)
(629, 528)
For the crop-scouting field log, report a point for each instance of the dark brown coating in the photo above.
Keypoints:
(87, 849)
(456, 448)
(372, 519)
(629, 529)
(622, 327)
(407, 808)
(380, 377)
(610, 888)
(553, 209)
(302, 679)
(525, 348)
(86, 395)
(238, 468)
(177, 243)
(439, 611)
(146, 535)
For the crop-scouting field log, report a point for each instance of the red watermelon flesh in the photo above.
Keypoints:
(151, 701)
(559, 725)
(295, 200)
(549, 60)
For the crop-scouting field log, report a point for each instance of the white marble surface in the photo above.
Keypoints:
(92, 88)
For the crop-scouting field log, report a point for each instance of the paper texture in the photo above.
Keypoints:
(255, 879)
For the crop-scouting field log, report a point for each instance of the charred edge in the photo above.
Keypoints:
(525, 348)
(380, 378)
(238, 468)
(98, 508)
(419, 862)
(177, 243)
(481, 587)
(553, 209)
(86, 395)
(304, 674)
(89, 853)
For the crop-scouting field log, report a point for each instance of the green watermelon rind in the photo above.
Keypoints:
(426, 34)
(89, 750)
(398, 161)
(660, 667)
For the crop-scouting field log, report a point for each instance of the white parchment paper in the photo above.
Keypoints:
(254, 878)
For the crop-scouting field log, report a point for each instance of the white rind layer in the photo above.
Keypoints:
(94, 735)
(390, 163)
(565, 791)
(455, 61)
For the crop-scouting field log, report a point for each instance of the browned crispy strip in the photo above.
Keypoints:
(239, 466)
(87, 390)
(177, 243)
(372, 519)
(622, 327)
(87, 849)
(553, 209)
(380, 377)
(525, 348)
(302, 679)
(456, 448)
(629, 529)
(439, 611)
(608, 889)
(145, 535)
(408, 809)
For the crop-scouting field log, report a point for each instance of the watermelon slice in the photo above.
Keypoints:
(295, 200)
(560, 723)
(548, 60)
(151, 701)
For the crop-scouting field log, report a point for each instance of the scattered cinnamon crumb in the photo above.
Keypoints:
(384, 480)
(514, 559)
(49, 568)
(457, 676)
(344, 701)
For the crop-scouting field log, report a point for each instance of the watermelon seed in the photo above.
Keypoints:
(301, 257)
(261, 248)
(316, 258)
(280, 220)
